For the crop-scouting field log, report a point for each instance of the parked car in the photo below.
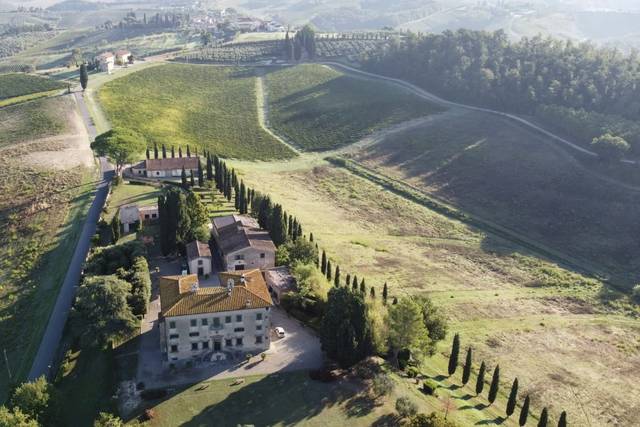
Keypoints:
(279, 332)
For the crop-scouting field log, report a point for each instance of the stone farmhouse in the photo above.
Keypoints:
(131, 216)
(242, 244)
(211, 323)
(122, 56)
(199, 258)
(106, 61)
(166, 168)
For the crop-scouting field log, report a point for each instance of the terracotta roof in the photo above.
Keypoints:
(198, 249)
(122, 52)
(180, 295)
(172, 163)
(241, 234)
(105, 55)
(280, 278)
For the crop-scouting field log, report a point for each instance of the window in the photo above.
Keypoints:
(154, 215)
(258, 339)
(216, 322)
(227, 319)
(194, 346)
(239, 257)
(238, 330)
(238, 317)
(258, 327)
(228, 343)
(146, 216)
(205, 322)
(205, 345)
(194, 322)
(239, 342)
(174, 336)
(262, 255)
(194, 334)
(258, 316)
(174, 349)
(199, 262)
(172, 325)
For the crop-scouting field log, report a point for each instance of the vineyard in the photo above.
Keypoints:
(320, 108)
(248, 52)
(11, 44)
(16, 84)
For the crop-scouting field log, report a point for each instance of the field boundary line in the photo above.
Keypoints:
(442, 207)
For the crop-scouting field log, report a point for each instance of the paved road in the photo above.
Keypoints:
(53, 334)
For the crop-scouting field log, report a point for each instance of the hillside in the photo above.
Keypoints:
(18, 84)
(45, 188)
(320, 108)
(212, 108)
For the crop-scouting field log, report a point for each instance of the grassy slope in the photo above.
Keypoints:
(18, 84)
(504, 300)
(212, 108)
(42, 213)
(319, 108)
(503, 173)
(36, 119)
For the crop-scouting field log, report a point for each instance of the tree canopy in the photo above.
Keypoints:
(406, 327)
(120, 146)
(610, 147)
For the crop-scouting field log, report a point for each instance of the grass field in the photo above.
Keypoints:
(35, 119)
(42, 211)
(541, 322)
(18, 84)
(319, 108)
(211, 108)
(493, 169)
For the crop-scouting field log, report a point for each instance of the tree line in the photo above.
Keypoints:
(303, 42)
(485, 68)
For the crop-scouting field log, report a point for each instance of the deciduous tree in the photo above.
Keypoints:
(406, 328)
(120, 146)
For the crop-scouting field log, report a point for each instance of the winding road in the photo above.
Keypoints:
(45, 357)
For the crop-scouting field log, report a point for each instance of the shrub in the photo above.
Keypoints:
(106, 419)
(432, 420)
(403, 358)
(429, 387)
(610, 147)
(412, 372)
(406, 407)
(382, 385)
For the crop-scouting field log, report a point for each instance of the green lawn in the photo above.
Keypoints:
(18, 84)
(211, 108)
(319, 108)
(134, 194)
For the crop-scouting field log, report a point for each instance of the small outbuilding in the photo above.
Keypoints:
(131, 216)
(279, 281)
(199, 258)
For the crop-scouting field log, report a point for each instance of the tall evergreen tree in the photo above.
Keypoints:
(466, 372)
(236, 197)
(155, 150)
(363, 287)
(354, 283)
(385, 293)
(372, 292)
(323, 263)
(209, 168)
(311, 237)
(455, 352)
(544, 418)
(183, 176)
(480, 379)
(513, 398)
(173, 152)
(562, 422)
(164, 152)
(336, 276)
(348, 281)
(495, 385)
(243, 199)
(162, 216)
(294, 229)
(180, 152)
(188, 151)
(329, 270)
(290, 227)
(276, 227)
(192, 181)
(148, 153)
(84, 76)
(200, 174)
(524, 412)
(115, 228)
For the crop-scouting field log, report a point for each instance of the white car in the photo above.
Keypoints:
(279, 332)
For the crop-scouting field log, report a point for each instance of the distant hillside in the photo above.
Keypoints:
(6, 6)
(75, 6)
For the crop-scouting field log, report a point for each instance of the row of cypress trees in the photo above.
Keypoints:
(495, 386)
(163, 152)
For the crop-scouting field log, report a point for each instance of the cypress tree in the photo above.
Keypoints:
(148, 154)
(466, 372)
(164, 151)
(372, 292)
(243, 199)
(524, 412)
(348, 281)
(192, 181)
(329, 270)
(323, 263)
(455, 351)
(188, 151)
(180, 152)
(155, 150)
(84, 76)
(299, 231)
(311, 237)
(385, 293)
(200, 174)
(354, 284)
(562, 422)
(513, 397)
(480, 380)
(183, 176)
(290, 227)
(162, 214)
(395, 301)
(276, 226)
(115, 227)
(544, 418)
(209, 168)
(294, 228)
(173, 152)
(363, 287)
(336, 276)
(236, 197)
(495, 385)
